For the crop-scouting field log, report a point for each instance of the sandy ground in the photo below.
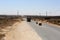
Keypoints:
(22, 31)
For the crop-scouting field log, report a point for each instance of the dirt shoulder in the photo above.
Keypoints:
(22, 31)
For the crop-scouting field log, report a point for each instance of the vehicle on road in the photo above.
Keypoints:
(40, 23)
(28, 19)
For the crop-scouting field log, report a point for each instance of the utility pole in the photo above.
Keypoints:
(39, 14)
(46, 19)
(46, 13)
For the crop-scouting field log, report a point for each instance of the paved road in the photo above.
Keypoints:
(46, 31)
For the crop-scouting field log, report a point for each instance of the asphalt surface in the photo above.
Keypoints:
(46, 31)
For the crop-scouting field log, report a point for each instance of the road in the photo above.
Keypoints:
(46, 31)
(32, 31)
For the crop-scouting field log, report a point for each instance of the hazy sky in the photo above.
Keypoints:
(30, 7)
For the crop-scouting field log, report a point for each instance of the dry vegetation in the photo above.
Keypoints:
(6, 25)
(54, 21)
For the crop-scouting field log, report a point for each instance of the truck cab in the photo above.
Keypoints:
(28, 19)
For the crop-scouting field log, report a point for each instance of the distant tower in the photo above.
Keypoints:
(17, 13)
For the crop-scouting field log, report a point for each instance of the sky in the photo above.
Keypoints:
(30, 7)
